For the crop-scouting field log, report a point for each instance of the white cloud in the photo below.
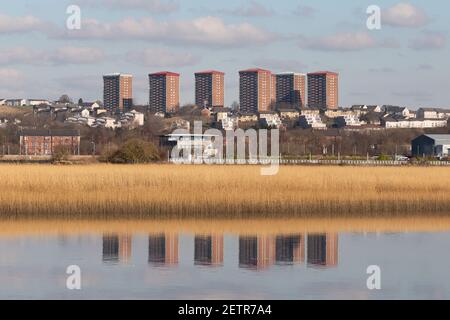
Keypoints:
(252, 9)
(161, 58)
(304, 11)
(11, 78)
(210, 31)
(350, 41)
(404, 15)
(154, 6)
(77, 55)
(63, 55)
(428, 41)
(24, 24)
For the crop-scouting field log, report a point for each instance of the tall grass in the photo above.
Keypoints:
(169, 191)
(58, 227)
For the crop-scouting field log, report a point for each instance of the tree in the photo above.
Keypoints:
(135, 151)
(65, 99)
(80, 101)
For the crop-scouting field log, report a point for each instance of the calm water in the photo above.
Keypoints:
(228, 266)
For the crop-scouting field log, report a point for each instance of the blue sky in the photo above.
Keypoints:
(406, 62)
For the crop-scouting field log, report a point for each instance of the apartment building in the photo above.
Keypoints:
(323, 90)
(118, 92)
(257, 90)
(42, 142)
(164, 92)
(291, 90)
(209, 89)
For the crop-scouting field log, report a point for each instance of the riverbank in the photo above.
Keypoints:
(171, 191)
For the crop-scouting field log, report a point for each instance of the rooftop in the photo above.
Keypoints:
(255, 70)
(322, 73)
(49, 132)
(165, 73)
(439, 138)
(210, 72)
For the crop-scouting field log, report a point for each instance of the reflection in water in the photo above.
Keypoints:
(322, 250)
(208, 250)
(116, 248)
(163, 249)
(255, 252)
(290, 249)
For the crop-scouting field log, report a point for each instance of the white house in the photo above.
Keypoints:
(312, 122)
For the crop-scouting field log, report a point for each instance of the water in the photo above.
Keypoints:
(184, 265)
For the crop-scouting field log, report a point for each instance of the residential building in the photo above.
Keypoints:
(433, 113)
(397, 111)
(209, 89)
(394, 123)
(118, 92)
(291, 90)
(312, 121)
(41, 142)
(431, 145)
(323, 90)
(257, 90)
(164, 92)
(348, 120)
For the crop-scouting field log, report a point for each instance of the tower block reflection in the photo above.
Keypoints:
(323, 250)
(290, 249)
(163, 249)
(256, 252)
(116, 248)
(208, 250)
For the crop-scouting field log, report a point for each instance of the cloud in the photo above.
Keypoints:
(252, 9)
(404, 15)
(280, 64)
(304, 11)
(153, 6)
(428, 41)
(208, 31)
(63, 55)
(24, 24)
(425, 66)
(350, 41)
(161, 58)
(11, 78)
(382, 70)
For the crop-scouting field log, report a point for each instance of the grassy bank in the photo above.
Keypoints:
(169, 191)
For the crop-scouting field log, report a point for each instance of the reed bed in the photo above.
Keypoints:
(226, 192)
(59, 227)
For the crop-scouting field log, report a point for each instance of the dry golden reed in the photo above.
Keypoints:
(170, 191)
(58, 227)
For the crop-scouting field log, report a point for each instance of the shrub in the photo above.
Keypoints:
(135, 151)
(60, 154)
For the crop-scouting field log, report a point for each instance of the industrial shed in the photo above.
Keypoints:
(431, 145)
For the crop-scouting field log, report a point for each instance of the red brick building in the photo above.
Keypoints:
(43, 142)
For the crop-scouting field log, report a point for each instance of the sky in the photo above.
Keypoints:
(405, 63)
